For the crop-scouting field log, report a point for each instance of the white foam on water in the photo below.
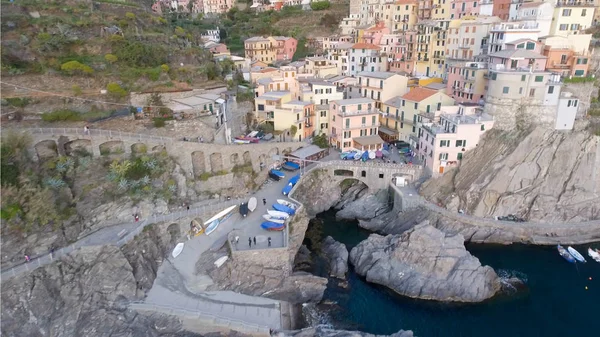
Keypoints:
(314, 316)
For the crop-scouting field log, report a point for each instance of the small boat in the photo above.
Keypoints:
(239, 141)
(252, 204)
(274, 176)
(253, 134)
(576, 254)
(282, 208)
(271, 226)
(566, 255)
(178, 249)
(214, 222)
(248, 139)
(221, 260)
(290, 166)
(294, 180)
(287, 203)
(357, 155)
(385, 153)
(278, 173)
(379, 154)
(372, 155)
(274, 219)
(278, 214)
(287, 189)
(365, 156)
(594, 254)
(244, 209)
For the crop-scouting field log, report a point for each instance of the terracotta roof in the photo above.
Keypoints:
(365, 46)
(418, 94)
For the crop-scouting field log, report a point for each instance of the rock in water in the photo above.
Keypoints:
(324, 331)
(425, 263)
(336, 254)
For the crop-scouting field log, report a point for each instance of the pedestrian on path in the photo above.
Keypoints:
(264, 201)
(249, 242)
(86, 130)
(237, 239)
(27, 258)
(254, 240)
(269, 239)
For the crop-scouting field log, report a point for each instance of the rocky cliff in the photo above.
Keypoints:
(336, 255)
(324, 331)
(425, 263)
(87, 292)
(541, 175)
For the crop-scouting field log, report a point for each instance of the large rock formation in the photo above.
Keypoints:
(336, 254)
(362, 205)
(324, 331)
(86, 293)
(425, 263)
(545, 176)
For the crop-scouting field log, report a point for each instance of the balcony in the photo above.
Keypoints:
(571, 3)
(560, 65)
(464, 46)
(467, 90)
(358, 112)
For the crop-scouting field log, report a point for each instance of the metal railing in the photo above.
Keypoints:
(99, 132)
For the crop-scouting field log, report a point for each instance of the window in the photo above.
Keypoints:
(416, 106)
(401, 116)
(364, 120)
(520, 46)
(347, 122)
(494, 76)
(482, 127)
(444, 143)
(403, 102)
(578, 73)
(443, 156)
(530, 46)
(505, 90)
(523, 78)
(551, 89)
(459, 155)
(373, 120)
(563, 27)
(566, 12)
(584, 12)
(323, 113)
(461, 143)
(520, 90)
(261, 107)
(539, 78)
(531, 92)
(575, 26)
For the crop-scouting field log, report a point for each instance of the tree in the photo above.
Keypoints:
(321, 141)
(110, 58)
(75, 67)
(319, 5)
(293, 130)
(115, 90)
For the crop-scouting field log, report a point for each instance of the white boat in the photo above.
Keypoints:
(594, 254)
(273, 219)
(372, 155)
(252, 134)
(252, 204)
(278, 214)
(221, 260)
(357, 155)
(576, 254)
(287, 203)
(211, 224)
(178, 249)
(237, 141)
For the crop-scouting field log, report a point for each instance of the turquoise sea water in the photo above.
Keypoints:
(554, 303)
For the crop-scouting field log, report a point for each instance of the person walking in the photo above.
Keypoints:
(254, 240)
(269, 240)
(237, 239)
(249, 242)
(264, 202)
(27, 258)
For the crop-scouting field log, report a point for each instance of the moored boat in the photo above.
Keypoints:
(274, 219)
(278, 214)
(178, 249)
(287, 189)
(211, 224)
(565, 254)
(294, 180)
(252, 203)
(594, 254)
(278, 173)
(576, 254)
(290, 166)
(282, 208)
(271, 226)
(357, 156)
(287, 203)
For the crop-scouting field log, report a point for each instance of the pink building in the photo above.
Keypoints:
(286, 47)
(443, 143)
(374, 34)
(354, 124)
(461, 8)
(519, 54)
(401, 52)
(467, 81)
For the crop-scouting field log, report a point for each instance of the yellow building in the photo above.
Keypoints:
(401, 16)
(261, 49)
(442, 9)
(571, 19)
(400, 113)
(296, 115)
(265, 104)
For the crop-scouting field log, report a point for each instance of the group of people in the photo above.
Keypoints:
(200, 139)
(252, 240)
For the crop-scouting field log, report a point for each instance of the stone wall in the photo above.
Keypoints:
(509, 113)
(276, 258)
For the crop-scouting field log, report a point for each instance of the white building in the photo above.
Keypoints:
(366, 57)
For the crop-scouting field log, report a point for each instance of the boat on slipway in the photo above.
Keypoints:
(594, 254)
(287, 203)
(282, 208)
(576, 254)
(290, 166)
(178, 249)
(565, 254)
(211, 224)
(278, 214)
(272, 226)
(252, 203)
(287, 189)
(274, 219)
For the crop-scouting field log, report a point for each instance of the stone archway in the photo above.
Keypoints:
(247, 158)
(46, 149)
(112, 146)
(198, 163)
(216, 162)
(273, 152)
(79, 147)
(139, 148)
(262, 158)
(234, 159)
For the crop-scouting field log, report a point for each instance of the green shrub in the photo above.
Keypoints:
(110, 58)
(130, 16)
(75, 67)
(165, 68)
(115, 90)
(18, 102)
(139, 54)
(319, 5)
(158, 122)
(76, 90)
(61, 115)
(204, 176)
(579, 79)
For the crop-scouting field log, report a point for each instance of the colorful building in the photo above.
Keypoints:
(563, 57)
(365, 57)
(270, 49)
(354, 124)
(381, 86)
(467, 81)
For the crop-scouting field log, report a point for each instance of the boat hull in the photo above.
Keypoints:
(271, 226)
(252, 203)
(294, 180)
(287, 189)
(565, 254)
(273, 219)
(282, 208)
(244, 209)
(286, 203)
(178, 249)
(594, 254)
(278, 214)
(576, 254)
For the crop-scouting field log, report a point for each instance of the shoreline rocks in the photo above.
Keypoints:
(336, 254)
(425, 263)
(324, 331)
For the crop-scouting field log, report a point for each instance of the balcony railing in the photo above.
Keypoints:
(358, 112)
(560, 65)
